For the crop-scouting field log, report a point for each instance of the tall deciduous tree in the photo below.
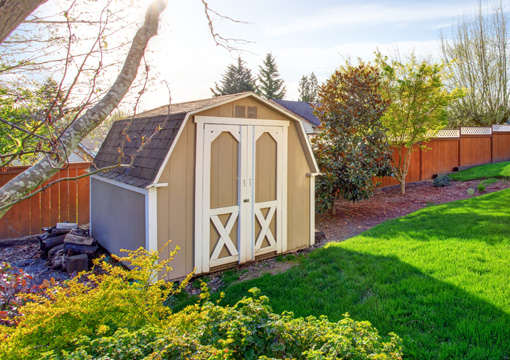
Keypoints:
(98, 98)
(44, 169)
(236, 79)
(308, 88)
(479, 46)
(351, 147)
(270, 84)
(418, 110)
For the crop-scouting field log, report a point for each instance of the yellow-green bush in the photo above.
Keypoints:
(94, 304)
(120, 314)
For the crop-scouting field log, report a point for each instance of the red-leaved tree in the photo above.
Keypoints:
(351, 147)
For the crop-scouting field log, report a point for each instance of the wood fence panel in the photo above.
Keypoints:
(83, 198)
(414, 168)
(45, 207)
(73, 196)
(35, 214)
(62, 202)
(500, 147)
(440, 156)
(54, 201)
(64, 195)
(475, 150)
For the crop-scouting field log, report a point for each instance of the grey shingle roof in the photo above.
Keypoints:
(300, 108)
(147, 159)
(162, 124)
(187, 107)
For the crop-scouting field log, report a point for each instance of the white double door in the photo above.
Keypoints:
(242, 176)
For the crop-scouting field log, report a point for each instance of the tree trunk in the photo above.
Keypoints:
(13, 13)
(403, 187)
(333, 207)
(44, 169)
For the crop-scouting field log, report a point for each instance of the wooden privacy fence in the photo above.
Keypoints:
(454, 148)
(65, 201)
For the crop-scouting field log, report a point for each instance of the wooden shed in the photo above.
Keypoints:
(228, 179)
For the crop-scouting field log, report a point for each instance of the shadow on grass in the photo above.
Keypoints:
(435, 320)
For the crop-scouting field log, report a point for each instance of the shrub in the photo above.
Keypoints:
(120, 314)
(247, 330)
(14, 283)
(481, 187)
(442, 181)
(470, 191)
(92, 305)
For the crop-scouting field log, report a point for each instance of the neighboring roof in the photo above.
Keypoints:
(149, 159)
(300, 108)
(90, 146)
(162, 126)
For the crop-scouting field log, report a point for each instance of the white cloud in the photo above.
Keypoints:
(364, 15)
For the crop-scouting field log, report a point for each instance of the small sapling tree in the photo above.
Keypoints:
(351, 147)
(419, 97)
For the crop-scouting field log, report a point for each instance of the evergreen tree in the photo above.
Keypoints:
(271, 87)
(236, 79)
(308, 88)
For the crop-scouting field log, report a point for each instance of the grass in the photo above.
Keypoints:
(439, 278)
(496, 170)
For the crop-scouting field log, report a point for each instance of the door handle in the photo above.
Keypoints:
(246, 200)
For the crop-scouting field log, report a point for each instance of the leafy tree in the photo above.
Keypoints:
(271, 87)
(236, 79)
(90, 116)
(308, 88)
(28, 122)
(419, 99)
(351, 147)
(478, 49)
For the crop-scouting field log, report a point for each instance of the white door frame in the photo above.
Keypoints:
(201, 249)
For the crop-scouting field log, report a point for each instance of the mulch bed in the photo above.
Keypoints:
(388, 203)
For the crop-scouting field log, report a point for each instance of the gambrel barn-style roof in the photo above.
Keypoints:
(161, 126)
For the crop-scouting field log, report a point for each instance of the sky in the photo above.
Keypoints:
(304, 36)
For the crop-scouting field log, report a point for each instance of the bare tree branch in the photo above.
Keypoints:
(45, 168)
(229, 44)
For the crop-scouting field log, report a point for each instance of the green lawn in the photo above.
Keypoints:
(439, 278)
(495, 170)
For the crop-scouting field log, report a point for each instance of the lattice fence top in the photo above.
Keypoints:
(501, 128)
(476, 130)
(448, 134)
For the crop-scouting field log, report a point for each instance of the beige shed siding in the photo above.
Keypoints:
(298, 194)
(118, 216)
(176, 203)
(228, 110)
